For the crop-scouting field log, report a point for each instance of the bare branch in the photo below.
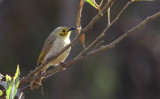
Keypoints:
(78, 21)
(105, 30)
(102, 48)
(96, 18)
(109, 19)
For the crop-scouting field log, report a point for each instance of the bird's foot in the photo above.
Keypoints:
(63, 65)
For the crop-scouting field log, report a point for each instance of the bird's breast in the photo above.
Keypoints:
(58, 45)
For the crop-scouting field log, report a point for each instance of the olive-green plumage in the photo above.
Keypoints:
(56, 41)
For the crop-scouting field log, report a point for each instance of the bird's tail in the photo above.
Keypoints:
(36, 83)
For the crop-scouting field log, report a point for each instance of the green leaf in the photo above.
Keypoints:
(1, 92)
(12, 84)
(8, 80)
(16, 79)
(91, 3)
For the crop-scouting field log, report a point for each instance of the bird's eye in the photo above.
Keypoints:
(63, 30)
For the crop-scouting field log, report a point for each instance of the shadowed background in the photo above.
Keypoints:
(131, 70)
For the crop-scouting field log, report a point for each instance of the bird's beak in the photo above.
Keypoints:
(71, 29)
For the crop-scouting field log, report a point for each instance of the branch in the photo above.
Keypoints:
(78, 22)
(102, 48)
(88, 27)
(105, 30)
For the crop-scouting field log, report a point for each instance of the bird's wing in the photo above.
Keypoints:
(47, 46)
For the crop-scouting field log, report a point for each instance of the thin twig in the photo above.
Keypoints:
(109, 19)
(22, 89)
(78, 21)
(88, 27)
(98, 45)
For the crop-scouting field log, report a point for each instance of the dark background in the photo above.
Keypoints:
(131, 70)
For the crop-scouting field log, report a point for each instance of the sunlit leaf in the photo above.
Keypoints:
(95, 5)
(12, 84)
(91, 3)
(8, 79)
(16, 77)
(8, 90)
(1, 92)
(16, 80)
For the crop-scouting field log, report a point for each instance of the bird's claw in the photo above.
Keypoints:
(63, 65)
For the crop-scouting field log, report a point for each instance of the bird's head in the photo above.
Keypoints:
(63, 32)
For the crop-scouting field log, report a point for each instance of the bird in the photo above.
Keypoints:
(56, 41)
